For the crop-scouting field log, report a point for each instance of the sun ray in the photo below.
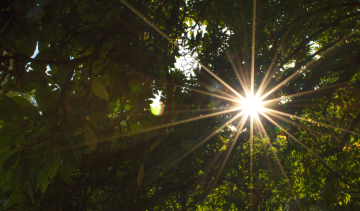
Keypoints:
(253, 49)
(286, 120)
(214, 95)
(252, 104)
(299, 71)
(177, 45)
(323, 89)
(251, 158)
(179, 122)
(242, 83)
(252, 114)
(229, 96)
(266, 78)
(263, 131)
(202, 178)
(302, 144)
(239, 129)
(205, 140)
(221, 81)
(309, 120)
(224, 111)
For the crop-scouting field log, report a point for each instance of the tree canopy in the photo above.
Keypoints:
(80, 128)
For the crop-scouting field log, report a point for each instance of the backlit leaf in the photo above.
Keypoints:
(153, 145)
(140, 176)
(99, 90)
(92, 121)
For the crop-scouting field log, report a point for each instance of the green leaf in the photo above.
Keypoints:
(92, 121)
(28, 88)
(10, 161)
(13, 181)
(25, 48)
(5, 153)
(2, 193)
(190, 22)
(63, 72)
(65, 170)
(53, 162)
(23, 171)
(32, 35)
(90, 137)
(18, 133)
(30, 192)
(43, 180)
(15, 198)
(153, 145)
(18, 32)
(5, 113)
(7, 86)
(10, 106)
(99, 90)
(21, 101)
(50, 168)
(140, 176)
(47, 54)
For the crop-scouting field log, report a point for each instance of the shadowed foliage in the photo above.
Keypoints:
(77, 131)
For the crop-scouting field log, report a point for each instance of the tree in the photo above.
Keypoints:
(77, 131)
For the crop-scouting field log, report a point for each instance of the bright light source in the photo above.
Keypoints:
(251, 105)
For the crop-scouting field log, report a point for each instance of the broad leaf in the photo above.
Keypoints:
(10, 161)
(140, 176)
(89, 136)
(65, 170)
(99, 90)
(15, 198)
(92, 121)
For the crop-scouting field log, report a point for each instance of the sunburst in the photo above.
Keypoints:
(249, 107)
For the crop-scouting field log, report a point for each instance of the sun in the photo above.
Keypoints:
(251, 105)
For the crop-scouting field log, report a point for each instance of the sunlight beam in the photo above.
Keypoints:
(309, 120)
(240, 127)
(253, 49)
(262, 129)
(302, 144)
(252, 157)
(299, 71)
(221, 81)
(214, 95)
(180, 122)
(162, 126)
(305, 93)
(242, 83)
(205, 140)
(266, 78)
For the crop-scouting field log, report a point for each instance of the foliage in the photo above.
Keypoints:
(73, 116)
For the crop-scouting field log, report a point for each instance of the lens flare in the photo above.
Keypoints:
(251, 105)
